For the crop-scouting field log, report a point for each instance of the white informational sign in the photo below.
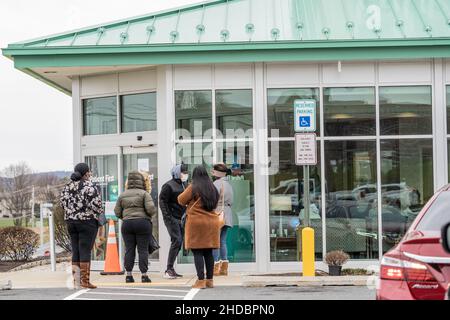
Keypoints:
(305, 149)
(109, 210)
(305, 115)
(144, 165)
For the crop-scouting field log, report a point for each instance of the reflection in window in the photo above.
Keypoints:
(407, 184)
(138, 112)
(234, 111)
(193, 114)
(280, 111)
(349, 111)
(104, 174)
(241, 238)
(405, 110)
(146, 162)
(351, 214)
(286, 206)
(100, 116)
(238, 158)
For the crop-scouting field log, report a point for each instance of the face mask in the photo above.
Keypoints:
(184, 177)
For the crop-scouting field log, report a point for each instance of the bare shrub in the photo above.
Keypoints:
(18, 244)
(336, 258)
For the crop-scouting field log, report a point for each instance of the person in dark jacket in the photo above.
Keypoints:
(82, 204)
(135, 207)
(172, 214)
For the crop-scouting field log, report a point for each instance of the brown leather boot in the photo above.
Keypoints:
(217, 268)
(85, 275)
(224, 268)
(209, 283)
(76, 275)
(199, 284)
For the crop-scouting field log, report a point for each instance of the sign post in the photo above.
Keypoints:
(306, 155)
(49, 206)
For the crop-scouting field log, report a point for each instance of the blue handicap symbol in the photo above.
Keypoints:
(305, 122)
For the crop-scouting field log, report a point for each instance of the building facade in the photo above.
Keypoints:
(187, 85)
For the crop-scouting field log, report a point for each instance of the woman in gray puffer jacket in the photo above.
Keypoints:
(135, 207)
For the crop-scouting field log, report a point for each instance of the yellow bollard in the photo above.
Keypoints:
(308, 254)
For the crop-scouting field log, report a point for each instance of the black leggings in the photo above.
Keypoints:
(202, 258)
(136, 233)
(82, 238)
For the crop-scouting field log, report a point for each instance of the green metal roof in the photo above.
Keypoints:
(230, 31)
(236, 21)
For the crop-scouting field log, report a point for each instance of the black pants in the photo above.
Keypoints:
(82, 238)
(175, 230)
(202, 258)
(136, 234)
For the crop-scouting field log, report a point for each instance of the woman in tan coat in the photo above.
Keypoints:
(202, 231)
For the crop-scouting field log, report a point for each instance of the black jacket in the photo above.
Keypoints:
(168, 199)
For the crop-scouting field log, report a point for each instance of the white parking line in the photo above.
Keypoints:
(146, 289)
(191, 294)
(88, 299)
(135, 294)
(76, 294)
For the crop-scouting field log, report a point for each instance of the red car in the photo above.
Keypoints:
(418, 268)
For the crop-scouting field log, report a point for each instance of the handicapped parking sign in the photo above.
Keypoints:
(305, 115)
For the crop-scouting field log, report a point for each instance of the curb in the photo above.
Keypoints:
(39, 263)
(320, 281)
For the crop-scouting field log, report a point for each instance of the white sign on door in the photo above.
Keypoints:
(305, 115)
(144, 165)
(305, 149)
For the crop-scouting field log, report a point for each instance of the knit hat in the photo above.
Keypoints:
(79, 171)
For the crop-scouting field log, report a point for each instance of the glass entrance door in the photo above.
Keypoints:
(144, 159)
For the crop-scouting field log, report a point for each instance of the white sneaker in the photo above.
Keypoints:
(169, 275)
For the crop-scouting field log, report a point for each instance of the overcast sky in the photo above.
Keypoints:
(35, 119)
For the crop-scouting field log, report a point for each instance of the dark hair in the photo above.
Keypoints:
(184, 168)
(79, 171)
(203, 187)
(221, 167)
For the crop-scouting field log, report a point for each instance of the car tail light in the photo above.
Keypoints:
(421, 283)
(399, 269)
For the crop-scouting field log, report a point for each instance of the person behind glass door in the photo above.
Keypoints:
(172, 213)
(202, 232)
(82, 204)
(219, 174)
(135, 207)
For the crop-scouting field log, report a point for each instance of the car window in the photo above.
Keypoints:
(437, 215)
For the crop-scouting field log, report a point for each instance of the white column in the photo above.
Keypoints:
(77, 120)
(166, 128)
(439, 126)
(262, 241)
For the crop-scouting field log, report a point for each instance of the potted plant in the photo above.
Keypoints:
(335, 260)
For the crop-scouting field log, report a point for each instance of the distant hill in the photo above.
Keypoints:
(58, 174)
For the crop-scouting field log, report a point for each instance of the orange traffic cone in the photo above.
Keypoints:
(112, 263)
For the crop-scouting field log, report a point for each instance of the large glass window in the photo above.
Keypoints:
(407, 184)
(104, 173)
(100, 116)
(147, 162)
(286, 213)
(138, 112)
(193, 114)
(349, 111)
(234, 112)
(280, 112)
(405, 110)
(351, 215)
(238, 156)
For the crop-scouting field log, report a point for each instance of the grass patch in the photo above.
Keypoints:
(6, 222)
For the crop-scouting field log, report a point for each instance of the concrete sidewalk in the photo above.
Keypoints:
(42, 277)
